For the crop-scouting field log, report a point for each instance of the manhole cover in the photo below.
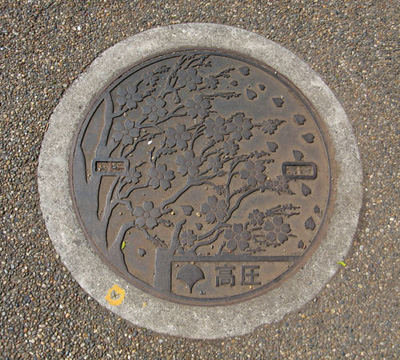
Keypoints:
(202, 176)
(200, 180)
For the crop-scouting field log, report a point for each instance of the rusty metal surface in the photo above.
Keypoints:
(202, 177)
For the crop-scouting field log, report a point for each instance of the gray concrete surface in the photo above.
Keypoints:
(353, 46)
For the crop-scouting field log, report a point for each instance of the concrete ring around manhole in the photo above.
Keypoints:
(200, 180)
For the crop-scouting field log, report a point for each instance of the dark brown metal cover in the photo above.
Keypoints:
(202, 177)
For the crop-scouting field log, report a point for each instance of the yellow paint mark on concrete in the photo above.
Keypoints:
(115, 295)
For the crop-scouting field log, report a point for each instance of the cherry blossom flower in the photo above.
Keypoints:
(281, 183)
(150, 79)
(277, 230)
(253, 172)
(160, 176)
(125, 131)
(188, 238)
(271, 126)
(154, 108)
(216, 129)
(256, 217)
(147, 215)
(240, 127)
(188, 163)
(178, 136)
(238, 237)
(211, 82)
(198, 106)
(128, 96)
(230, 148)
(189, 78)
(133, 176)
(214, 163)
(214, 209)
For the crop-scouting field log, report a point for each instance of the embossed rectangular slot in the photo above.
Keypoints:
(110, 166)
(299, 170)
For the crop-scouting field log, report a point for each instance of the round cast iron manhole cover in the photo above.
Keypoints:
(202, 177)
(200, 180)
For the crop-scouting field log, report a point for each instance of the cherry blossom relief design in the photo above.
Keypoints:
(191, 159)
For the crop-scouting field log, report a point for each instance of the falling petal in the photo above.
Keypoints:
(187, 209)
(305, 190)
(244, 70)
(272, 146)
(300, 119)
(309, 138)
(298, 155)
(199, 226)
(278, 102)
(251, 95)
(310, 224)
